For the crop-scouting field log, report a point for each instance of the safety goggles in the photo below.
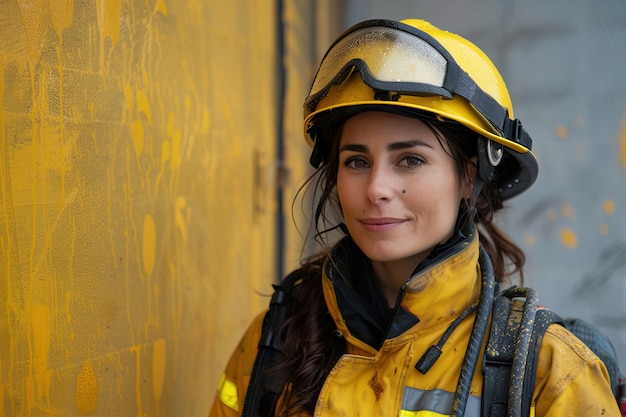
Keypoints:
(396, 59)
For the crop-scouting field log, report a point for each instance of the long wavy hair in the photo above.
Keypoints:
(309, 341)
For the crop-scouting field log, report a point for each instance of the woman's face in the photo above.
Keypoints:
(398, 187)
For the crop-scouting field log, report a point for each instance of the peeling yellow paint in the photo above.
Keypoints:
(206, 121)
(165, 153)
(40, 316)
(109, 13)
(138, 136)
(30, 393)
(115, 118)
(161, 7)
(68, 313)
(129, 96)
(86, 389)
(143, 105)
(177, 140)
(180, 221)
(31, 13)
(137, 351)
(57, 152)
(569, 238)
(149, 245)
(171, 124)
(158, 368)
(61, 13)
(2, 388)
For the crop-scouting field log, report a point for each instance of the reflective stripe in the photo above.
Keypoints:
(434, 403)
(227, 392)
(405, 413)
(437, 403)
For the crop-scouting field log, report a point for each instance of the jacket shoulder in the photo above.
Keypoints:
(242, 358)
(233, 384)
(571, 380)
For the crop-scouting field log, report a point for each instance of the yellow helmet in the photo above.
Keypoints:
(414, 67)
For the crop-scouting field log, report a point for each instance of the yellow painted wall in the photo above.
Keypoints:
(137, 197)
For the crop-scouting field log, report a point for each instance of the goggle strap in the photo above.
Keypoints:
(487, 106)
(498, 116)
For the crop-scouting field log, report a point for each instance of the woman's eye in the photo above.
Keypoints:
(411, 161)
(356, 163)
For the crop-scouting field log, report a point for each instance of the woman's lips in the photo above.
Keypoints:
(381, 224)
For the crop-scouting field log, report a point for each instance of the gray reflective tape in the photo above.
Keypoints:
(436, 401)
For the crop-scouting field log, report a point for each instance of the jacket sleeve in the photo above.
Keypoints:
(571, 379)
(233, 383)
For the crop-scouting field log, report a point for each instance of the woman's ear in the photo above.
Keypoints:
(467, 182)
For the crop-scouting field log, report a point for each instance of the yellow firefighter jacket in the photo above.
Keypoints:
(368, 381)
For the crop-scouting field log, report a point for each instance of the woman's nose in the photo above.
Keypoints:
(380, 186)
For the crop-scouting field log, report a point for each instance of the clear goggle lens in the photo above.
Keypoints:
(390, 55)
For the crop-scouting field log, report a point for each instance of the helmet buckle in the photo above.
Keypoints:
(513, 130)
(386, 95)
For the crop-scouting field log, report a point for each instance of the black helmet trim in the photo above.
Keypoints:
(512, 175)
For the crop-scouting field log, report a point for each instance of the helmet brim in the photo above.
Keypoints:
(517, 171)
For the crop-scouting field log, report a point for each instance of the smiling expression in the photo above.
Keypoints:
(398, 187)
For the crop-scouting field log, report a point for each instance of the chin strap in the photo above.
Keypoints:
(478, 186)
(489, 157)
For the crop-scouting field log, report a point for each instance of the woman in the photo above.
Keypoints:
(416, 147)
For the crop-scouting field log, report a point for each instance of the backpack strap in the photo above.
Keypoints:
(620, 394)
(543, 319)
(513, 317)
(263, 391)
(497, 361)
(502, 376)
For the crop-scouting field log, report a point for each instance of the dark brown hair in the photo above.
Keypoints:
(309, 339)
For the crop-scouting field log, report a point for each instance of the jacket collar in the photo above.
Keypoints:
(443, 285)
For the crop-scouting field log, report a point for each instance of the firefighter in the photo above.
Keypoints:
(416, 147)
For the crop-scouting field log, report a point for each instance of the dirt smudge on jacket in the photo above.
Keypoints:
(376, 386)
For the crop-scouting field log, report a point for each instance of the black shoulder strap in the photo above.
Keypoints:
(261, 393)
(511, 318)
(543, 319)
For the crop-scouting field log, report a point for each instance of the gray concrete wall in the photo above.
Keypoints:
(565, 65)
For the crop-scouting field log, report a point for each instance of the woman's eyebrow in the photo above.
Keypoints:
(354, 148)
(396, 146)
